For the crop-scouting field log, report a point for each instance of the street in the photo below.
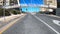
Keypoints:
(35, 24)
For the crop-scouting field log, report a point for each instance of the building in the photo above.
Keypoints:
(51, 4)
(58, 3)
(13, 2)
(8, 2)
(1, 2)
(58, 8)
(43, 9)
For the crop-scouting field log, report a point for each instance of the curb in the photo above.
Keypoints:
(51, 15)
(9, 25)
(8, 18)
(54, 16)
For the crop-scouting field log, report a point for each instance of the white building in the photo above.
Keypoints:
(1, 2)
(7, 2)
(10, 2)
(50, 4)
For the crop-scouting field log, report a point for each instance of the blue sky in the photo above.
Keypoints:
(31, 9)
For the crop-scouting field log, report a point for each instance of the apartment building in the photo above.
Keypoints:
(1, 2)
(43, 9)
(49, 3)
(58, 3)
(58, 8)
(13, 2)
(8, 2)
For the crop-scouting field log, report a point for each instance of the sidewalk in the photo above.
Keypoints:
(54, 16)
(8, 19)
(51, 15)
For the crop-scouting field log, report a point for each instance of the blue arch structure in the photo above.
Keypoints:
(31, 9)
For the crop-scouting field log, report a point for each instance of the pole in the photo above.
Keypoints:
(19, 5)
(4, 12)
(4, 15)
(20, 9)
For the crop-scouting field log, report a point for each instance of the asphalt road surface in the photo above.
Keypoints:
(34, 24)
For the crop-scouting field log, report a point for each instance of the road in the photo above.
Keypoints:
(34, 24)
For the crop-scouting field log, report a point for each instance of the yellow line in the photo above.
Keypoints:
(9, 25)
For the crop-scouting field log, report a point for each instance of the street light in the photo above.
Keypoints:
(4, 10)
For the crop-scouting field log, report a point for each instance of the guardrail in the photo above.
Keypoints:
(25, 5)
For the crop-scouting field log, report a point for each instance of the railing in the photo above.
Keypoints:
(25, 5)
(8, 7)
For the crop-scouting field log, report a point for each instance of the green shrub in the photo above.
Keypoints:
(8, 12)
(2, 12)
(15, 12)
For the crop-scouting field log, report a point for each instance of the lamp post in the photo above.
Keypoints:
(4, 10)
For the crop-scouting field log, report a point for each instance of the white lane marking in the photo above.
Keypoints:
(46, 24)
(57, 22)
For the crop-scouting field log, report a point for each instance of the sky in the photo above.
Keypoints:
(31, 9)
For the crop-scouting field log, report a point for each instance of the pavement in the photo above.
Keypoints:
(8, 19)
(34, 24)
(51, 15)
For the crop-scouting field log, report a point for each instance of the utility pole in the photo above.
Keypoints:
(4, 10)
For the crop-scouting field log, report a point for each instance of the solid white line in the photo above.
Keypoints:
(46, 24)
